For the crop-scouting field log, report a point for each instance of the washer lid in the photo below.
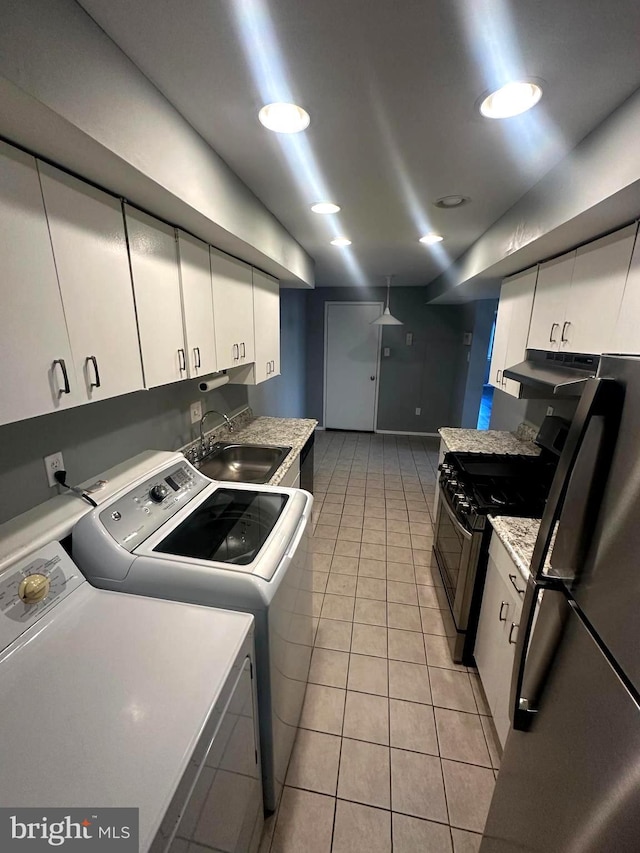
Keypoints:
(229, 526)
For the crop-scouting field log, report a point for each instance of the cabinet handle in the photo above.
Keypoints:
(500, 616)
(513, 579)
(553, 340)
(243, 349)
(268, 368)
(182, 360)
(65, 376)
(236, 352)
(94, 361)
(499, 378)
(273, 367)
(511, 640)
(196, 352)
(565, 326)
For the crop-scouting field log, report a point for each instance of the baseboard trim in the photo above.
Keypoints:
(403, 432)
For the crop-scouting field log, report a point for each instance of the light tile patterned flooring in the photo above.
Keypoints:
(396, 750)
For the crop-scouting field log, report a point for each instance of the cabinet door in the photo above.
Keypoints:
(197, 305)
(494, 615)
(549, 303)
(626, 337)
(90, 250)
(156, 284)
(500, 340)
(596, 293)
(232, 310)
(34, 343)
(520, 290)
(266, 311)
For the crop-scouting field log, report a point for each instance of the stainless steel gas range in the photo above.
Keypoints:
(473, 486)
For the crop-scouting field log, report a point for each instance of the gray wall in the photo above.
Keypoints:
(509, 413)
(284, 396)
(96, 436)
(422, 375)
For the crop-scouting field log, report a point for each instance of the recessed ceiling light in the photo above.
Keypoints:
(431, 238)
(341, 241)
(284, 118)
(511, 100)
(448, 201)
(325, 207)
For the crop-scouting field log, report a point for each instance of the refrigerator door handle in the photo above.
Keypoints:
(532, 666)
(600, 397)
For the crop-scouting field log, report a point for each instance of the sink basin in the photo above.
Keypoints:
(242, 463)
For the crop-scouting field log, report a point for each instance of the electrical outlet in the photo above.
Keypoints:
(409, 339)
(386, 352)
(418, 410)
(53, 463)
(549, 410)
(196, 412)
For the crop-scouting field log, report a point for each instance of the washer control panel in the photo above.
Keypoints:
(133, 518)
(30, 587)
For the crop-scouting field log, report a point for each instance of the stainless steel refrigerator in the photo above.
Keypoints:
(570, 775)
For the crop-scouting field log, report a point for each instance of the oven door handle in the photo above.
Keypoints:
(444, 500)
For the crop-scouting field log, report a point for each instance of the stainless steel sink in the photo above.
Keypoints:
(242, 463)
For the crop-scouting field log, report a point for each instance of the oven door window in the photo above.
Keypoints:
(454, 552)
(230, 526)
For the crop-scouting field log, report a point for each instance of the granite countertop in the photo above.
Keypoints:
(488, 441)
(518, 535)
(293, 432)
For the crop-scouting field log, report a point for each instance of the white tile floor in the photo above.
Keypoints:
(395, 750)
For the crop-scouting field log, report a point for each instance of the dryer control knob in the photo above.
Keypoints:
(158, 493)
(34, 588)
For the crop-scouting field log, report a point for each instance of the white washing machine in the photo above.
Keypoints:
(113, 700)
(177, 534)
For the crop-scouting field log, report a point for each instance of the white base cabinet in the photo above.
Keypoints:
(498, 631)
(38, 374)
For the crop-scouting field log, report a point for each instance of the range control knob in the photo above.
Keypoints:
(34, 588)
(158, 493)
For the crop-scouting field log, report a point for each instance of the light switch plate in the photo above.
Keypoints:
(549, 410)
(418, 410)
(409, 339)
(386, 352)
(196, 412)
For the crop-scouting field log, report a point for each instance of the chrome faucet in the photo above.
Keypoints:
(202, 420)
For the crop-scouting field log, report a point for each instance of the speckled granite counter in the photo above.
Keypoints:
(518, 535)
(486, 441)
(293, 432)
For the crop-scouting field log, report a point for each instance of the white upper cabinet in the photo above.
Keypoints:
(266, 309)
(232, 310)
(512, 327)
(156, 284)
(596, 293)
(551, 297)
(197, 305)
(626, 335)
(37, 374)
(90, 250)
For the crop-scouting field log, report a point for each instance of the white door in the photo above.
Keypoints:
(626, 337)
(352, 356)
(34, 345)
(197, 305)
(232, 310)
(90, 250)
(597, 287)
(266, 311)
(550, 301)
(156, 284)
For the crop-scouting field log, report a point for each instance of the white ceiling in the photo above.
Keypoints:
(392, 88)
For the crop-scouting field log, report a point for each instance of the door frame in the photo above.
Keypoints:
(327, 304)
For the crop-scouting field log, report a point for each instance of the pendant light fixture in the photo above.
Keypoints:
(387, 318)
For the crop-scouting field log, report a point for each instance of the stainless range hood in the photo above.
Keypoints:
(560, 374)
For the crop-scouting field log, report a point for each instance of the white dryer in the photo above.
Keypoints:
(113, 700)
(177, 534)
